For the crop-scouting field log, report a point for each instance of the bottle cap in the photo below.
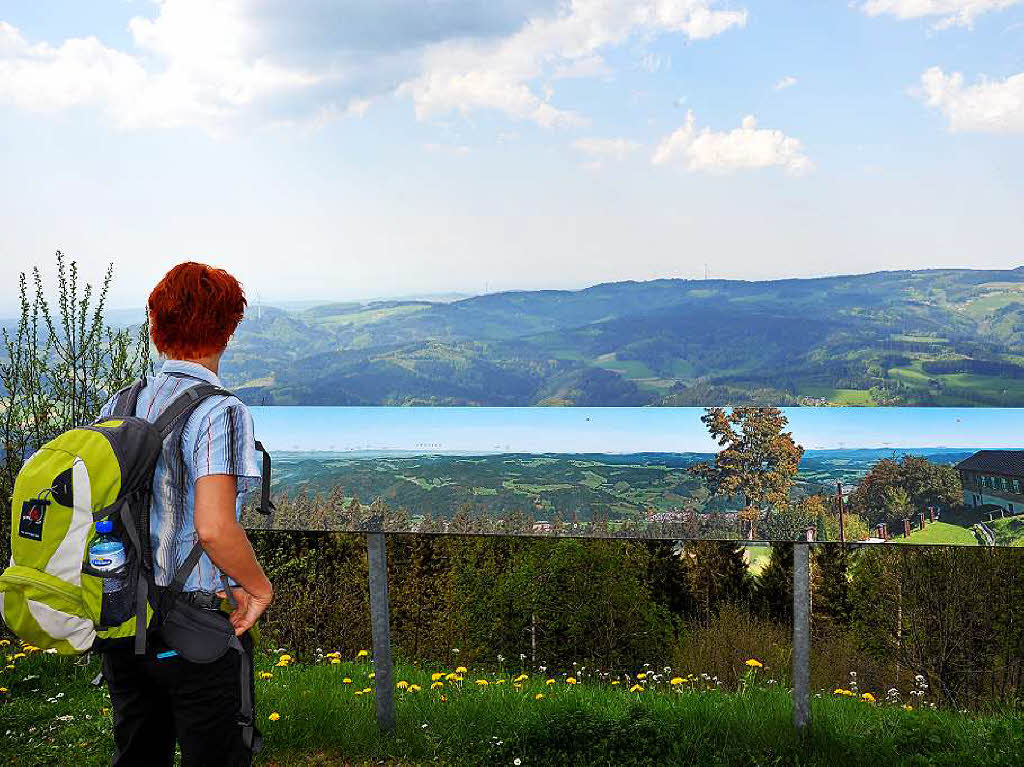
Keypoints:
(105, 526)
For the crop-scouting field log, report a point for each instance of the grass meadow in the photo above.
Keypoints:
(321, 710)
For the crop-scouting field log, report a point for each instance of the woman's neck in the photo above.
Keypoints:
(211, 362)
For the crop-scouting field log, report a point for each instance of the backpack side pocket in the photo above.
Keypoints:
(45, 611)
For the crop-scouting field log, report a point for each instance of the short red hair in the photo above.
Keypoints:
(194, 310)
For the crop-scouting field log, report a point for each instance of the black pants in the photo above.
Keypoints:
(159, 700)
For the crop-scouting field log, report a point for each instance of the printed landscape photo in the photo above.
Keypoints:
(931, 337)
(639, 472)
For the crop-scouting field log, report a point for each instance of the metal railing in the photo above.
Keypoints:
(384, 668)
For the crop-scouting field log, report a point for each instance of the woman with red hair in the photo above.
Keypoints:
(207, 465)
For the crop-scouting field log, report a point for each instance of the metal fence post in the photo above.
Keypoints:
(801, 637)
(380, 623)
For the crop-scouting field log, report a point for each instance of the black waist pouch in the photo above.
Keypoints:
(199, 635)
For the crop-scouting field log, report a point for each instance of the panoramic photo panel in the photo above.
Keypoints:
(947, 476)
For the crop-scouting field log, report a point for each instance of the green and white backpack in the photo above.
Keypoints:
(50, 596)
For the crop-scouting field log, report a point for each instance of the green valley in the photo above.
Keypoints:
(931, 337)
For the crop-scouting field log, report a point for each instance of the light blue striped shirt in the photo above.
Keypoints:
(216, 439)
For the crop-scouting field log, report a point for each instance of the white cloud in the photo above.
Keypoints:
(192, 68)
(952, 13)
(990, 106)
(468, 75)
(226, 63)
(591, 66)
(742, 148)
(786, 82)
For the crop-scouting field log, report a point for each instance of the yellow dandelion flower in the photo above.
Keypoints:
(571, 680)
(372, 675)
(500, 681)
(335, 661)
(518, 686)
(907, 707)
(346, 680)
(615, 682)
(358, 692)
(286, 658)
(274, 717)
(482, 682)
(636, 688)
(18, 655)
(539, 696)
(435, 685)
(868, 697)
(676, 682)
(3, 689)
(461, 670)
(414, 688)
(281, 663)
(436, 675)
(266, 674)
(754, 663)
(641, 675)
(403, 685)
(362, 654)
(367, 690)
(521, 678)
(5, 642)
(550, 681)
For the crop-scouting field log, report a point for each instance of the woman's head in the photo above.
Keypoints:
(194, 310)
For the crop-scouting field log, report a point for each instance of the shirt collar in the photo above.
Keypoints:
(190, 368)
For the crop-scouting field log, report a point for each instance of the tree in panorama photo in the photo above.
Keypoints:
(895, 488)
(759, 459)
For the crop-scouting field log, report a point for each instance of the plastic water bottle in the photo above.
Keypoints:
(107, 556)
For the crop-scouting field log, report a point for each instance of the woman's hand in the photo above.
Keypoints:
(250, 607)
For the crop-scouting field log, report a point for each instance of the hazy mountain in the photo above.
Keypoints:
(943, 337)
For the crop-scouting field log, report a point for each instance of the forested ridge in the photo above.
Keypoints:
(931, 337)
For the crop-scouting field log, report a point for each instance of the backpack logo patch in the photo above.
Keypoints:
(33, 513)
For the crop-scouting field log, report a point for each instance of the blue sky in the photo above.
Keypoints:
(360, 149)
(618, 430)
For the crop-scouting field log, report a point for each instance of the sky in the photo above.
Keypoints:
(618, 429)
(345, 149)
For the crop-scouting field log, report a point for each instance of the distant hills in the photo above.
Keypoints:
(952, 337)
(622, 485)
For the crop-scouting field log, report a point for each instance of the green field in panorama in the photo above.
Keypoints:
(957, 388)
(839, 396)
(941, 533)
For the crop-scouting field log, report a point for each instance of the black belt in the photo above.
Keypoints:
(208, 600)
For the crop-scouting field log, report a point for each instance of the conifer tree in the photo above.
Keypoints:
(775, 584)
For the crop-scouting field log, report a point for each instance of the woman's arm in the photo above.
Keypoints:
(224, 540)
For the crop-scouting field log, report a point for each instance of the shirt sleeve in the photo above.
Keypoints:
(226, 445)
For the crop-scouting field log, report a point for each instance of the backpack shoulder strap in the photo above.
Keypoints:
(185, 403)
(128, 397)
(266, 506)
